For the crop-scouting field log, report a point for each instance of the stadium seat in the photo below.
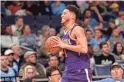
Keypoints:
(56, 19)
(28, 19)
(56, 22)
(120, 61)
(39, 26)
(44, 19)
(2, 9)
(121, 5)
(56, 26)
(101, 70)
(9, 19)
(33, 29)
(69, 2)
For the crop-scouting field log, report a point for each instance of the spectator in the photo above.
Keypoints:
(28, 39)
(29, 73)
(116, 37)
(12, 7)
(20, 11)
(8, 30)
(45, 8)
(88, 14)
(43, 56)
(9, 7)
(92, 60)
(57, 7)
(54, 61)
(5, 71)
(18, 57)
(85, 24)
(115, 10)
(12, 64)
(52, 32)
(118, 51)
(102, 7)
(30, 58)
(54, 74)
(116, 73)
(44, 33)
(95, 12)
(105, 58)
(108, 31)
(99, 38)
(82, 5)
(91, 40)
(120, 20)
(31, 7)
(16, 29)
(99, 26)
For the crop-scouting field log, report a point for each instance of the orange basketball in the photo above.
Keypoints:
(49, 43)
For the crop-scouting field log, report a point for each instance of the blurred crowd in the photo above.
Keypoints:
(103, 22)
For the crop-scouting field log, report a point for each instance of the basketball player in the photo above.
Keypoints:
(74, 44)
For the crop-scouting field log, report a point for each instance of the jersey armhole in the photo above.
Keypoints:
(71, 32)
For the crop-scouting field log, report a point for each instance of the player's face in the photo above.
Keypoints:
(65, 16)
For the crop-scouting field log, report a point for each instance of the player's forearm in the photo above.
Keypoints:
(77, 48)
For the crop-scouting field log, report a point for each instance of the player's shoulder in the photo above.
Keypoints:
(78, 28)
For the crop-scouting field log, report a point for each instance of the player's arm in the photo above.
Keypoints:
(81, 41)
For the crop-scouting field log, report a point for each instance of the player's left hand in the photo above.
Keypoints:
(59, 42)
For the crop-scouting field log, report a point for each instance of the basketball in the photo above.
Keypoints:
(49, 43)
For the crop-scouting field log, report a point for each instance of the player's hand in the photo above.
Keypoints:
(59, 42)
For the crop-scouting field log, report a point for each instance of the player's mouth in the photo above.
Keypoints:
(62, 19)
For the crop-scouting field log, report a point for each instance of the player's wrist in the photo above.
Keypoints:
(65, 46)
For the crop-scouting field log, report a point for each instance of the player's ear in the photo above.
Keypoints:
(73, 16)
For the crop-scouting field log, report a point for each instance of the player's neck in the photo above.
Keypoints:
(69, 25)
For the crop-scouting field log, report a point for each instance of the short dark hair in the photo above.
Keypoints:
(112, 21)
(18, 17)
(98, 30)
(74, 9)
(51, 69)
(103, 43)
(53, 56)
(88, 30)
(23, 28)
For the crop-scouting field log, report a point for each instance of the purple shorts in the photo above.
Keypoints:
(77, 76)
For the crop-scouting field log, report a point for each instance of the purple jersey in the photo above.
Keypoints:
(77, 65)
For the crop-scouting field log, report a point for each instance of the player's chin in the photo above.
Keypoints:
(62, 22)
